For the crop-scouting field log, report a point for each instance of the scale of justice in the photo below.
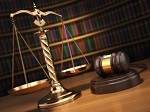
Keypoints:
(58, 94)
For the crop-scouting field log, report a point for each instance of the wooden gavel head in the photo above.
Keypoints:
(115, 63)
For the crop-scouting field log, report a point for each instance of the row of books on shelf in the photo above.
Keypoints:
(87, 26)
(108, 18)
(139, 51)
(77, 9)
(25, 22)
(9, 6)
(130, 31)
(75, 6)
(135, 52)
(6, 43)
(87, 45)
(28, 60)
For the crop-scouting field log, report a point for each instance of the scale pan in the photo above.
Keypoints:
(29, 88)
(75, 70)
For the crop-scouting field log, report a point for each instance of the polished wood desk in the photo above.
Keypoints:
(136, 99)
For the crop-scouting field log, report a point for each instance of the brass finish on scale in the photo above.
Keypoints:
(30, 87)
(58, 94)
(75, 70)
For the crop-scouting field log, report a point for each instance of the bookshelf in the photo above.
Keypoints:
(99, 27)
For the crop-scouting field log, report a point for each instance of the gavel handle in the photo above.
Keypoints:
(139, 65)
(144, 66)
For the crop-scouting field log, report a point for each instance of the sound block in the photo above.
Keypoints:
(115, 83)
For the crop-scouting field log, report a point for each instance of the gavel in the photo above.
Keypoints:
(115, 63)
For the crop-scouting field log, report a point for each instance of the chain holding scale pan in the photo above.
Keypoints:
(58, 94)
(75, 69)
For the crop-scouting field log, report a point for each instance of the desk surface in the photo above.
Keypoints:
(136, 99)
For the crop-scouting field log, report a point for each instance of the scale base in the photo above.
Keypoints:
(56, 98)
(116, 83)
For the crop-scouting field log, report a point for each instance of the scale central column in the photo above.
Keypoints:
(47, 54)
(58, 94)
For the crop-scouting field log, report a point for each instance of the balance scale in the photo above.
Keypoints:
(58, 94)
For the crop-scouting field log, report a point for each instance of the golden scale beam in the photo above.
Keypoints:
(58, 94)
